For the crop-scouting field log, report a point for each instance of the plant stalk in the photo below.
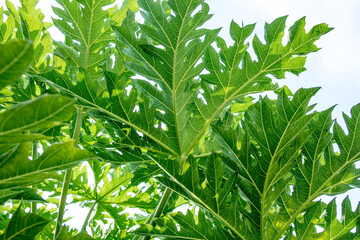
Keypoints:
(86, 222)
(34, 155)
(157, 212)
(67, 177)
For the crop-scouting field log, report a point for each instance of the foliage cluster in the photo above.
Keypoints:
(165, 119)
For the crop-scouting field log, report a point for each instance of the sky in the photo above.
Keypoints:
(335, 68)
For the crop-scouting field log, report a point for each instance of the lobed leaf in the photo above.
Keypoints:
(202, 228)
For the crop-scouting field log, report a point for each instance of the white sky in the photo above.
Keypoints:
(335, 67)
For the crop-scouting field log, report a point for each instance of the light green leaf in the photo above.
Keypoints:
(17, 170)
(90, 27)
(15, 59)
(23, 226)
(43, 112)
(17, 138)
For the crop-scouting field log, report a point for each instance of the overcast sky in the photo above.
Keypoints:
(335, 67)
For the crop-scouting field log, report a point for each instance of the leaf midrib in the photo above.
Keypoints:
(25, 229)
(202, 203)
(113, 115)
(174, 91)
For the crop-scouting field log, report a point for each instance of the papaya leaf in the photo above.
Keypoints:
(24, 226)
(30, 25)
(201, 229)
(335, 229)
(16, 57)
(215, 190)
(249, 182)
(338, 171)
(26, 194)
(172, 61)
(17, 170)
(43, 112)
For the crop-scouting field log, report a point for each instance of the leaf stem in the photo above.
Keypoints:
(34, 156)
(86, 222)
(157, 212)
(67, 178)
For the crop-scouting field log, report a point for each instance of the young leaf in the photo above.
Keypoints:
(16, 57)
(29, 25)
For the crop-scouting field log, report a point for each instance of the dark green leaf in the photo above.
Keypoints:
(23, 226)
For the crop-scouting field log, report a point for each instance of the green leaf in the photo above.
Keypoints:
(202, 228)
(27, 194)
(29, 25)
(43, 112)
(16, 57)
(23, 226)
(171, 61)
(174, 67)
(338, 171)
(17, 170)
(17, 138)
(336, 229)
(213, 190)
(80, 236)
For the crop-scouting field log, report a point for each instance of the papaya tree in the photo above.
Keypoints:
(150, 122)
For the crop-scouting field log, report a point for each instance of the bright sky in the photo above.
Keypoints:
(335, 67)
